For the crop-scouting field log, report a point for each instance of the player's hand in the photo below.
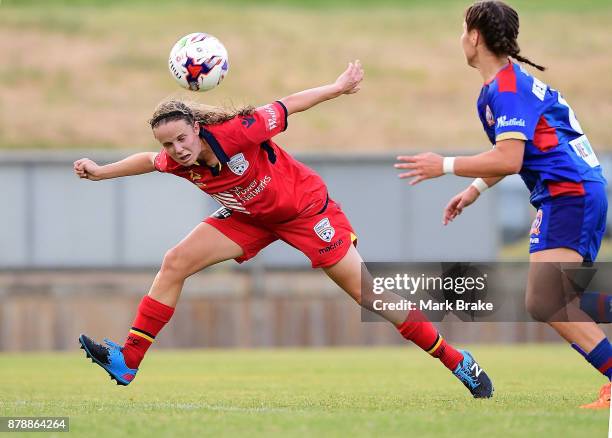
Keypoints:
(348, 82)
(421, 167)
(456, 205)
(87, 169)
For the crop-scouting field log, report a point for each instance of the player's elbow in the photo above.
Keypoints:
(509, 165)
(512, 166)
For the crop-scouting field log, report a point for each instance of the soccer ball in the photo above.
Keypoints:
(198, 61)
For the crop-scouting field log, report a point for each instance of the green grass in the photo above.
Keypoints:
(331, 392)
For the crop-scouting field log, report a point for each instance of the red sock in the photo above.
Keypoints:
(419, 330)
(150, 319)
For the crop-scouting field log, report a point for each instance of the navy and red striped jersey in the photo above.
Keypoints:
(558, 156)
(256, 177)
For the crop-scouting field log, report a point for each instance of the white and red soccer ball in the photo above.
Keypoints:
(198, 61)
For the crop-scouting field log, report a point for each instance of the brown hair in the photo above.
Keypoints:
(498, 24)
(190, 112)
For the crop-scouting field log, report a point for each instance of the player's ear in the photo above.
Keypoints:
(474, 37)
(196, 127)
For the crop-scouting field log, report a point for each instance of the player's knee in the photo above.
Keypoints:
(536, 308)
(175, 264)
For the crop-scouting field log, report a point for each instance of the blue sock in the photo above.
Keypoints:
(579, 350)
(598, 306)
(601, 357)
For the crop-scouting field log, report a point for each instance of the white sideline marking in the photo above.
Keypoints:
(191, 406)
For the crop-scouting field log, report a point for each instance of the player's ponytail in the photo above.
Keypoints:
(498, 24)
(191, 112)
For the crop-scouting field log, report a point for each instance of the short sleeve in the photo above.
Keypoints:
(161, 161)
(266, 122)
(514, 118)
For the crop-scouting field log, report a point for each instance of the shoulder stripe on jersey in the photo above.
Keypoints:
(506, 79)
(511, 136)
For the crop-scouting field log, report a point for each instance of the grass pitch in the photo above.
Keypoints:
(330, 392)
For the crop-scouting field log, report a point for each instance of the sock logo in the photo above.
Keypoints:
(133, 340)
(476, 369)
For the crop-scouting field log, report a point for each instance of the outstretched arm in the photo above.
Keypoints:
(505, 159)
(347, 83)
(136, 164)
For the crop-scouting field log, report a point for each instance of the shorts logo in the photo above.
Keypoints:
(489, 116)
(337, 244)
(238, 164)
(324, 230)
(222, 213)
(535, 226)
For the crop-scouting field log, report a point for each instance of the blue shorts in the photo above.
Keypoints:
(575, 222)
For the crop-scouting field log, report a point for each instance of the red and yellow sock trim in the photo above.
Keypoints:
(436, 345)
(148, 336)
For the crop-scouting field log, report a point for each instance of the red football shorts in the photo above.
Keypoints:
(324, 237)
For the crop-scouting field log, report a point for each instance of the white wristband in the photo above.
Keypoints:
(448, 165)
(480, 185)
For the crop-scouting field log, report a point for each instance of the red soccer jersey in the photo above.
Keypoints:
(257, 177)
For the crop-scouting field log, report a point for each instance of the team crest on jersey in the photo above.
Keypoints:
(489, 116)
(238, 164)
(324, 230)
(535, 226)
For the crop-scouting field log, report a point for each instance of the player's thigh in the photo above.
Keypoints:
(347, 273)
(548, 289)
(559, 255)
(203, 246)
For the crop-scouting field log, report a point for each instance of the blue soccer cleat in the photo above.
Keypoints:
(110, 358)
(473, 376)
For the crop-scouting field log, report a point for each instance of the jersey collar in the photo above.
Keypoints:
(214, 145)
(509, 65)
